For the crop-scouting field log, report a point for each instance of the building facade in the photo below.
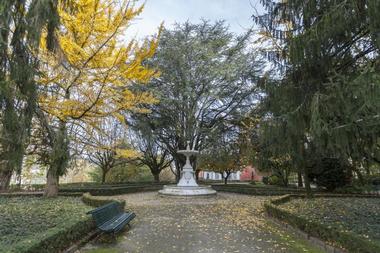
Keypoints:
(249, 173)
(216, 176)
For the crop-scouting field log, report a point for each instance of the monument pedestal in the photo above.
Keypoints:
(187, 186)
(187, 191)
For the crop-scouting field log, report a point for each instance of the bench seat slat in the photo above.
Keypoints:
(117, 223)
(111, 217)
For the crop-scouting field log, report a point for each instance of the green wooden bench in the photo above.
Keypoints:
(111, 217)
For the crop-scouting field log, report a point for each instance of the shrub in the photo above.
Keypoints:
(265, 180)
(109, 190)
(255, 190)
(274, 180)
(373, 180)
(97, 201)
(35, 224)
(353, 189)
(346, 239)
(331, 173)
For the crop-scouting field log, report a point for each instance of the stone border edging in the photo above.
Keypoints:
(317, 232)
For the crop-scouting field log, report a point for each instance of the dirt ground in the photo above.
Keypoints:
(226, 223)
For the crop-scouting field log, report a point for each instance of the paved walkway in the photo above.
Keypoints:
(227, 223)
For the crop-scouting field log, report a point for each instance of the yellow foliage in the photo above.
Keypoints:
(91, 74)
(126, 153)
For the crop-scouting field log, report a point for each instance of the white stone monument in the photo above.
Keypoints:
(187, 186)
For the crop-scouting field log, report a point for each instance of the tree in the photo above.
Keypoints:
(280, 167)
(91, 76)
(324, 103)
(229, 151)
(207, 76)
(224, 159)
(106, 146)
(21, 25)
(152, 154)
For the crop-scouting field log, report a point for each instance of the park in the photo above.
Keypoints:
(189, 126)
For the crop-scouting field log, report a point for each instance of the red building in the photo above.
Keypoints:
(251, 173)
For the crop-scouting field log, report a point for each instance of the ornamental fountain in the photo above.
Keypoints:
(187, 186)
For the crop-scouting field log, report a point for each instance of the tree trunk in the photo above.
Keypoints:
(104, 173)
(309, 194)
(197, 175)
(51, 189)
(178, 172)
(59, 157)
(156, 177)
(285, 181)
(5, 179)
(225, 180)
(300, 183)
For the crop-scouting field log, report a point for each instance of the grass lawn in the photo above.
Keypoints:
(25, 220)
(358, 215)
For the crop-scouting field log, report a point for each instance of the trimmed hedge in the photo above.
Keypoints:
(59, 240)
(113, 190)
(31, 224)
(38, 194)
(64, 186)
(97, 201)
(345, 239)
(256, 190)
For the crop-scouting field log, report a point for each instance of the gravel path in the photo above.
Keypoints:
(226, 223)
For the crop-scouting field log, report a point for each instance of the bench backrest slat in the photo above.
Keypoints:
(106, 213)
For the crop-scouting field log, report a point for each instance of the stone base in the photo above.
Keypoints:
(187, 191)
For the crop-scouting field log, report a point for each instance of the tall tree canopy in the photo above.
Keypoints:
(327, 103)
(21, 24)
(207, 77)
(91, 76)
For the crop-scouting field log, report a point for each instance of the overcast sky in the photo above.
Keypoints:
(236, 13)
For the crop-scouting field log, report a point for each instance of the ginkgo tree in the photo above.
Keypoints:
(90, 77)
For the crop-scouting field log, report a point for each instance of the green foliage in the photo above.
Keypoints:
(331, 174)
(337, 220)
(114, 189)
(207, 77)
(356, 189)
(96, 201)
(35, 224)
(256, 190)
(274, 180)
(96, 175)
(326, 103)
(130, 172)
(22, 23)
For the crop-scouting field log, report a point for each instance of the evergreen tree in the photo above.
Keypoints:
(207, 77)
(21, 25)
(327, 102)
